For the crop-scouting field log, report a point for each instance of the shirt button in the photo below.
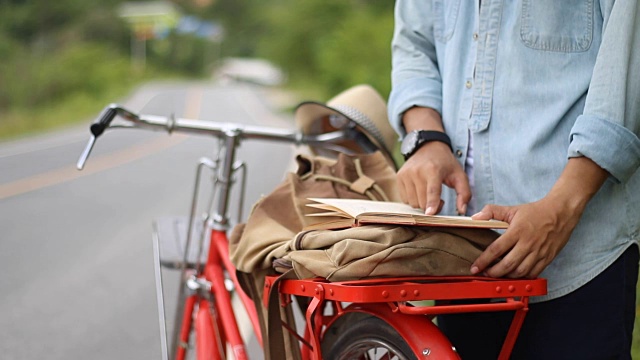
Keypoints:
(475, 36)
(459, 153)
(468, 84)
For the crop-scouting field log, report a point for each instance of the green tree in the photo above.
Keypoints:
(331, 44)
(357, 51)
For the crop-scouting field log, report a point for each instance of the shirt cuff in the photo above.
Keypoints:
(613, 147)
(423, 92)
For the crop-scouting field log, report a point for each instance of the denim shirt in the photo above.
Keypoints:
(533, 83)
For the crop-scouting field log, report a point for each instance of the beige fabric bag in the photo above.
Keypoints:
(383, 251)
(279, 216)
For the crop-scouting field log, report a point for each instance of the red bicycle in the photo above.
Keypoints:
(386, 318)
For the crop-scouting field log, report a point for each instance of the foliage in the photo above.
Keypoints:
(60, 55)
(358, 51)
(57, 59)
(52, 51)
(330, 44)
(181, 52)
(69, 85)
(46, 78)
(242, 20)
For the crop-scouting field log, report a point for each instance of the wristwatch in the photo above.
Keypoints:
(415, 139)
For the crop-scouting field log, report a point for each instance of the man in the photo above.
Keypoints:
(540, 104)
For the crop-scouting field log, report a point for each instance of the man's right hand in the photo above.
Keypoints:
(421, 177)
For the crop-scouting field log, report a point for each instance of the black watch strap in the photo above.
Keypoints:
(417, 138)
(425, 136)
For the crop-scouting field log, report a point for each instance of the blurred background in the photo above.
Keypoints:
(76, 256)
(60, 60)
(76, 271)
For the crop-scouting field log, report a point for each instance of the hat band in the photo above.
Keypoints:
(362, 120)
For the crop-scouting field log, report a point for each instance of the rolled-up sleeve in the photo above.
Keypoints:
(415, 76)
(607, 131)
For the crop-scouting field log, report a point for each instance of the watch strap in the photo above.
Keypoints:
(427, 136)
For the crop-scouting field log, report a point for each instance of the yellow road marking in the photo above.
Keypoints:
(193, 104)
(96, 165)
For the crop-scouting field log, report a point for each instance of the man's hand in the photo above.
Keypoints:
(539, 230)
(536, 234)
(420, 179)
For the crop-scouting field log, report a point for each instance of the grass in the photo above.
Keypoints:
(76, 108)
(78, 105)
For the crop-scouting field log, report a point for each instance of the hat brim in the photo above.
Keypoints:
(308, 114)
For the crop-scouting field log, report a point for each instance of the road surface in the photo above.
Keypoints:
(75, 247)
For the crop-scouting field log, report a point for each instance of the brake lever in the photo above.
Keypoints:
(86, 152)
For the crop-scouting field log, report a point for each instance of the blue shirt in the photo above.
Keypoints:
(534, 82)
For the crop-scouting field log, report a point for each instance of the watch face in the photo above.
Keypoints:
(409, 143)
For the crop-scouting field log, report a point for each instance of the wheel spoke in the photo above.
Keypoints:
(372, 349)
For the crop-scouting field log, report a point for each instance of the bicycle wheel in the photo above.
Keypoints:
(369, 339)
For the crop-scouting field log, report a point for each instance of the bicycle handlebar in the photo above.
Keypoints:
(217, 129)
(105, 118)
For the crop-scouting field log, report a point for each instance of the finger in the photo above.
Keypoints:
(403, 192)
(405, 180)
(509, 263)
(421, 193)
(523, 270)
(485, 214)
(433, 192)
(537, 269)
(412, 193)
(492, 253)
(463, 192)
(496, 212)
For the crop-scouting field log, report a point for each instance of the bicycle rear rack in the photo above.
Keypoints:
(406, 294)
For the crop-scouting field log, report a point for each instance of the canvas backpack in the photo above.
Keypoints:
(273, 239)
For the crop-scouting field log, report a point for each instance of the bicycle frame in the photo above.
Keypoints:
(206, 296)
(211, 283)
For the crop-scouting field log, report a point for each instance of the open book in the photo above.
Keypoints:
(344, 213)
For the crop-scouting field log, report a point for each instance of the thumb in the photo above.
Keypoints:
(495, 212)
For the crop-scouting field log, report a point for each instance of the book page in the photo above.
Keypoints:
(355, 207)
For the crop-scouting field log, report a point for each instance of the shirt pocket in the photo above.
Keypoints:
(445, 14)
(557, 25)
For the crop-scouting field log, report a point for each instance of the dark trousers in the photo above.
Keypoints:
(593, 322)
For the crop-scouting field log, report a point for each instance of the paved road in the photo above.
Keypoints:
(75, 247)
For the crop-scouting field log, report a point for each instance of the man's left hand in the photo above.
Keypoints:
(536, 234)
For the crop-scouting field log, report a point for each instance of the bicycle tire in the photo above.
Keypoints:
(369, 338)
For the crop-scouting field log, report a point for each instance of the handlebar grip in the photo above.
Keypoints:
(105, 118)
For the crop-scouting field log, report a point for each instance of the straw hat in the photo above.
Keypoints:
(363, 105)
